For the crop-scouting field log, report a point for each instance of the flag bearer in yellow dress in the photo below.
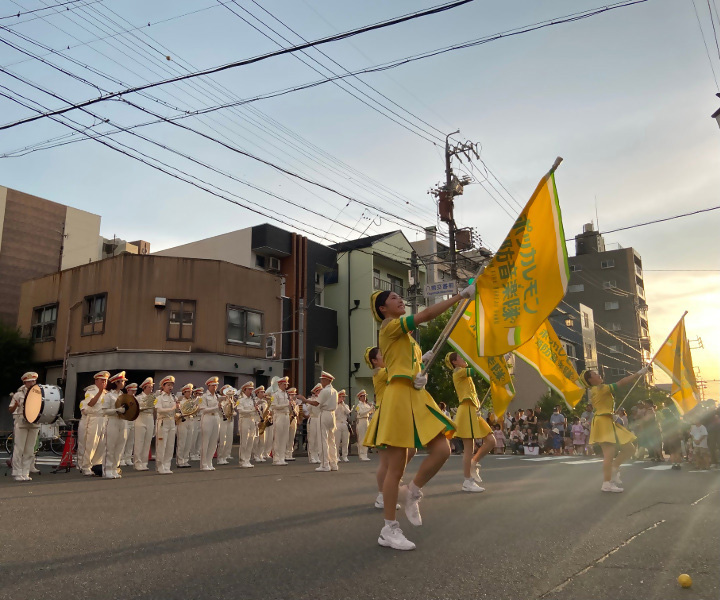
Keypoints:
(115, 430)
(617, 443)
(408, 416)
(342, 434)
(470, 426)
(210, 422)
(327, 403)
(247, 423)
(94, 447)
(24, 433)
(165, 429)
(185, 427)
(144, 425)
(126, 456)
(280, 409)
(227, 424)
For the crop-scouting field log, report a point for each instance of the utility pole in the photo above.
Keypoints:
(301, 347)
(452, 187)
(415, 276)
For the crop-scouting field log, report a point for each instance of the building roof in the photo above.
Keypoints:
(362, 242)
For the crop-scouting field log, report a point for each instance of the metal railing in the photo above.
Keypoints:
(387, 286)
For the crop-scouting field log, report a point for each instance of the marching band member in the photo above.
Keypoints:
(94, 447)
(469, 425)
(144, 426)
(196, 440)
(184, 430)
(259, 442)
(82, 424)
(227, 424)
(126, 456)
(247, 425)
(269, 433)
(363, 410)
(24, 433)
(408, 416)
(165, 426)
(292, 427)
(327, 403)
(342, 434)
(280, 409)
(115, 430)
(210, 423)
(313, 425)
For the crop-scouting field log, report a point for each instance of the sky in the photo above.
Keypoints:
(625, 97)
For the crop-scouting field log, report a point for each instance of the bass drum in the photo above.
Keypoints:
(43, 404)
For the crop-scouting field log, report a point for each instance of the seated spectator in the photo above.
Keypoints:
(499, 439)
(543, 441)
(516, 439)
(578, 437)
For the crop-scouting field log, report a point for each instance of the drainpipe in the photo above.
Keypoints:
(350, 311)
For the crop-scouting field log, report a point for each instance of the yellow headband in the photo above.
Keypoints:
(582, 377)
(367, 356)
(448, 362)
(373, 297)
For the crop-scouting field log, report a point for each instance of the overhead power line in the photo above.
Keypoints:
(30, 12)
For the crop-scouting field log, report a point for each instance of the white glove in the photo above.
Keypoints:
(468, 292)
(642, 371)
(121, 410)
(428, 356)
(420, 381)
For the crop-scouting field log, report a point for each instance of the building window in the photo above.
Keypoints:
(610, 284)
(607, 264)
(617, 372)
(244, 326)
(260, 261)
(181, 320)
(570, 350)
(615, 327)
(588, 351)
(615, 349)
(94, 307)
(612, 305)
(586, 320)
(576, 288)
(44, 323)
(574, 268)
(396, 284)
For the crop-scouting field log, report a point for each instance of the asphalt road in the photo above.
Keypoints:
(542, 530)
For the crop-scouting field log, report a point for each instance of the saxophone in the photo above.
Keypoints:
(265, 420)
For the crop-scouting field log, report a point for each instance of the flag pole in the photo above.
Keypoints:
(652, 360)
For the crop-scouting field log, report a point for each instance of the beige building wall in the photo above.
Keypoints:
(3, 202)
(233, 247)
(81, 232)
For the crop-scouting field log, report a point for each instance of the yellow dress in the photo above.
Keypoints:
(406, 418)
(380, 380)
(604, 429)
(468, 424)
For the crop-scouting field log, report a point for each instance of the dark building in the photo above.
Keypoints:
(610, 282)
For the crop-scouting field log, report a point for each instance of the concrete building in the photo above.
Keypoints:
(109, 247)
(301, 265)
(152, 316)
(379, 262)
(38, 237)
(610, 282)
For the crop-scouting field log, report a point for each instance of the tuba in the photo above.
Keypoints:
(265, 419)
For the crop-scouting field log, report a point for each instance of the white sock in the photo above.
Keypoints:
(413, 489)
(469, 479)
(380, 495)
(390, 523)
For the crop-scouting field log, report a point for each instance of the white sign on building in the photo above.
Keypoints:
(441, 288)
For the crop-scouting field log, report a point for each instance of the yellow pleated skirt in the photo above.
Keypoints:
(468, 424)
(407, 418)
(605, 430)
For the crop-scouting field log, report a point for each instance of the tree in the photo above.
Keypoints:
(440, 382)
(16, 357)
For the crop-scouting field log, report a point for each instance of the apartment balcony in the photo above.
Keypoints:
(385, 285)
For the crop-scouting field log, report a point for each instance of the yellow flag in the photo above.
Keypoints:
(674, 358)
(545, 353)
(526, 278)
(493, 368)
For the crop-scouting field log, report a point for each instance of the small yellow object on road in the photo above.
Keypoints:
(685, 580)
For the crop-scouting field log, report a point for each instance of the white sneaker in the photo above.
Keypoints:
(345, 459)
(412, 505)
(333, 467)
(205, 469)
(34, 471)
(323, 469)
(379, 501)
(609, 486)
(364, 459)
(27, 478)
(475, 471)
(19, 478)
(391, 536)
(247, 465)
(289, 458)
(616, 478)
(469, 485)
(280, 464)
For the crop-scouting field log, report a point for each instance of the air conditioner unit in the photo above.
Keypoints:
(272, 264)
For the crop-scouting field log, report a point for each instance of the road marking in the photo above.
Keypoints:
(659, 468)
(582, 462)
(547, 458)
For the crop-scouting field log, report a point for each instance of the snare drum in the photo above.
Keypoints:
(43, 404)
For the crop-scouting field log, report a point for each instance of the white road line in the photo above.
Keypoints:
(659, 468)
(542, 458)
(582, 462)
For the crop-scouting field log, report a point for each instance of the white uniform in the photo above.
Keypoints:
(225, 438)
(94, 447)
(313, 433)
(342, 435)
(280, 409)
(269, 437)
(126, 457)
(144, 430)
(82, 425)
(210, 423)
(196, 436)
(292, 430)
(247, 425)
(259, 443)
(24, 439)
(363, 411)
(115, 436)
(164, 432)
(328, 404)
(185, 429)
